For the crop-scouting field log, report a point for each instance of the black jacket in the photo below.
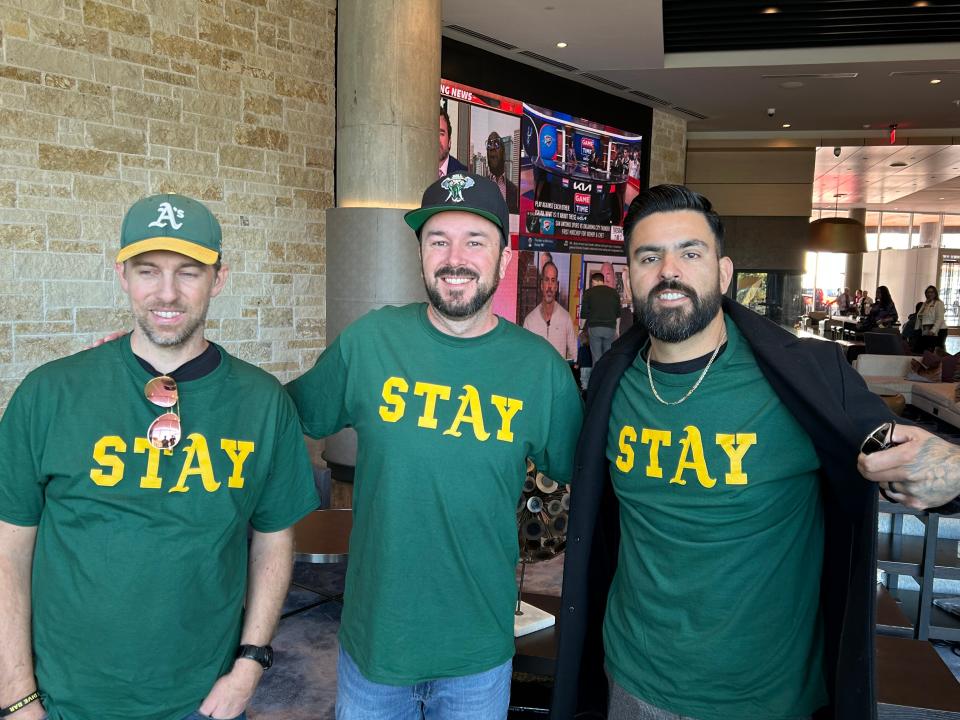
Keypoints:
(830, 400)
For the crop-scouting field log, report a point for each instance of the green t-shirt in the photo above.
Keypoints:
(714, 608)
(140, 566)
(444, 428)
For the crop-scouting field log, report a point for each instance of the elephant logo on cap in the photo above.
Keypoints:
(455, 185)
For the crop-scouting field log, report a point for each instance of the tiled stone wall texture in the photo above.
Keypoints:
(105, 101)
(668, 150)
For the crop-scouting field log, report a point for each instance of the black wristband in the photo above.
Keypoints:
(11, 709)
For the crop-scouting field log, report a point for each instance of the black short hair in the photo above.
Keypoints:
(596, 276)
(443, 114)
(671, 198)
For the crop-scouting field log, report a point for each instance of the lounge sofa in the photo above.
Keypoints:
(887, 375)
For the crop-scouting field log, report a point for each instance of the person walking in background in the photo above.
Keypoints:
(599, 311)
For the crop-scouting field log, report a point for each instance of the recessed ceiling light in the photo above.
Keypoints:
(786, 125)
(771, 10)
(936, 81)
(921, 3)
(866, 126)
(561, 44)
(791, 84)
(943, 198)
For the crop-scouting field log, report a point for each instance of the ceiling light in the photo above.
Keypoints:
(943, 198)
(771, 10)
(866, 126)
(561, 44)
(791, 84)
(921, 3)
(936, 81)
(785, 125)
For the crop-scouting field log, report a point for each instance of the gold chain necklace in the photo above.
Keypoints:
(716, 351)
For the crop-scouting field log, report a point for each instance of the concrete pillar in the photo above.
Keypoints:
(388, 100)
(854, 271)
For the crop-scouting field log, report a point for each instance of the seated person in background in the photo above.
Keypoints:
(930, 325)
(883, 312)
(909, 331)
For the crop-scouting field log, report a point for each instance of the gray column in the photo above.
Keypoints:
(388, 99)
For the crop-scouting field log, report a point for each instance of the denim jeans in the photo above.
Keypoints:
(197, 715)
(484, 696)
(601, 338)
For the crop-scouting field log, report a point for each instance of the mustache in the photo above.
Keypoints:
(672, 285)
(450, 271)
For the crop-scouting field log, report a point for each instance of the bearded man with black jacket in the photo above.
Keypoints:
(721, 549)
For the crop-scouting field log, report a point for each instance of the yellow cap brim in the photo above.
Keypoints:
(178, 245)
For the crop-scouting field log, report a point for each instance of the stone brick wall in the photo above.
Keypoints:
(105, 101)
(668, 151)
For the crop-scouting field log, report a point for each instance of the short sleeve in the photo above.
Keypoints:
(21, 482)
(320, 393)
(555, 458)
(290, 492)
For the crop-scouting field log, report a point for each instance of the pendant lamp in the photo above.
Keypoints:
(837, 234)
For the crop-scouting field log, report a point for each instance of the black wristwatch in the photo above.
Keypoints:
(263, 655)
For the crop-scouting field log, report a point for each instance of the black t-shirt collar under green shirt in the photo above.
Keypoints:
(194, 369)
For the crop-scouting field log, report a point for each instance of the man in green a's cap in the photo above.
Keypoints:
(128, 476)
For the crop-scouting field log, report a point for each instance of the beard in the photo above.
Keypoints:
(457, 307)
(675, 325)
(169, 339)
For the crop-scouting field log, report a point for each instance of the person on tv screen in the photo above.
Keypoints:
(448, 163)
(496, 162)
(549, 320)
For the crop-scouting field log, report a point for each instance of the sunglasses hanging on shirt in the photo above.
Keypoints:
(164, 432)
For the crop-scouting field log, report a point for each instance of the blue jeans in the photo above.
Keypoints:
(197, 715)
(601, 338)
(484, 696)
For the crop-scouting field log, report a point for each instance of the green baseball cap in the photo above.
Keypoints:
(170, 222)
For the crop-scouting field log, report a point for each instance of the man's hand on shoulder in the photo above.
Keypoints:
(231, 694)
(921, 471)
(116, 334)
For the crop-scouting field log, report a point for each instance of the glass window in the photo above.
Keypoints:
(951, 232)
(894, 231)
(872, 223)
(925, 230)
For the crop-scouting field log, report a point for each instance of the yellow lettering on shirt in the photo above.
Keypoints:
(624, 460)
(655, 438)
(507, 407)
(736, 448)
(431, 392)
(237, 451)
(152, 480)
(396, 405)
(469, 412)
(196, 451)
(691, 458)
(100, 454)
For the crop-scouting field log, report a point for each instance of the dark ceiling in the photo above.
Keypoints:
(717, 25)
